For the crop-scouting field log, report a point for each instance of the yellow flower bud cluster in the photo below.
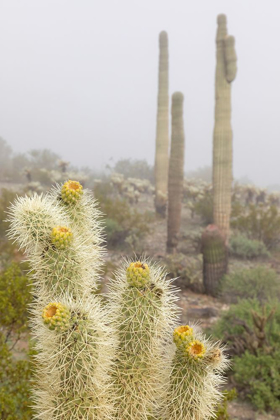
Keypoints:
(71, 192)
(195, 350)
(185, 341)
(56, 316)
(61, 237)
(138, 274)
(182, 333)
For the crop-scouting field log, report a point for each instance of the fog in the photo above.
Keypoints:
(80, 78)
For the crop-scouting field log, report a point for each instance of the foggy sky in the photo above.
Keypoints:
(80, 77)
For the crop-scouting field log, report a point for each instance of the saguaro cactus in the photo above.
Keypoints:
(176, 172)
(222, 144)
(215, 258)
(162, 134)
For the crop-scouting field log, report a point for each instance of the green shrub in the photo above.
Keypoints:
(258, 378)
(15, 365)
(15, 385)
(235, 325)
(259, 283)
(258, 222)
(243, 247)
(6, 198)
(252, 334)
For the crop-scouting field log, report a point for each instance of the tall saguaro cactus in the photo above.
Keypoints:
(176, 172)
(222, 144)
(162, 134)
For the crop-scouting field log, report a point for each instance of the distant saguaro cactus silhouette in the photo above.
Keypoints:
(222, 142)
(162, 135)
(176, 172)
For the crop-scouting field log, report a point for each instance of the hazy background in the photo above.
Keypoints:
(80, 78)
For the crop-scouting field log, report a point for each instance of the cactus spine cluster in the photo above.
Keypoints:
(176, 172)
(222, 144)
(162, 134)
(106, 360)
(194, 377)
(74, 342)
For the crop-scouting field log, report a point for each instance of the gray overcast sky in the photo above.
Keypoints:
(80, 77)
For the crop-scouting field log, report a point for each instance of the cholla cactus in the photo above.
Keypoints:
(114, 361)
(74, 342)
(195, 376)
(143, 307)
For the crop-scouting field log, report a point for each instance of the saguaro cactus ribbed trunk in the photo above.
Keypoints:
(222, 142)
(176, 172)
(162, 135)
(215, 258)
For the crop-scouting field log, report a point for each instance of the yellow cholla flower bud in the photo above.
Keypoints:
(138, 274)
(71, 191)
(61, 237)
(181, 333)
(56, 316)
(195, 350)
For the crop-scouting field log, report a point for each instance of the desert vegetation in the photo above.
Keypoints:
(140, 292)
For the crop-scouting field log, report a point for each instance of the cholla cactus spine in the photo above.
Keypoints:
(74, 342)
(195, 376)
(144, 314)
(162, 134)
(222, 140)
(176, 173)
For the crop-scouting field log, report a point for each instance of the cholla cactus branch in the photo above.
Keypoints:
(144, 313)
(195, 377)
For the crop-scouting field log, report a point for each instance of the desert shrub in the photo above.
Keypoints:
(252, 333)
(186, 269)
(121, 221)
(258, 378)
(259, 283)
(222, 410)
(204, 207)
(258, 222)
(135, 169)
(15, 295)
(238, 327)
(243, 247)
(15, 385)
(15, 365)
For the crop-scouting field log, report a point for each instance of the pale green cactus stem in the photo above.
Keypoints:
(143, 308)
(195, 377)
(176, 173)
(74, 342)
(222, 140)
(162, 133)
